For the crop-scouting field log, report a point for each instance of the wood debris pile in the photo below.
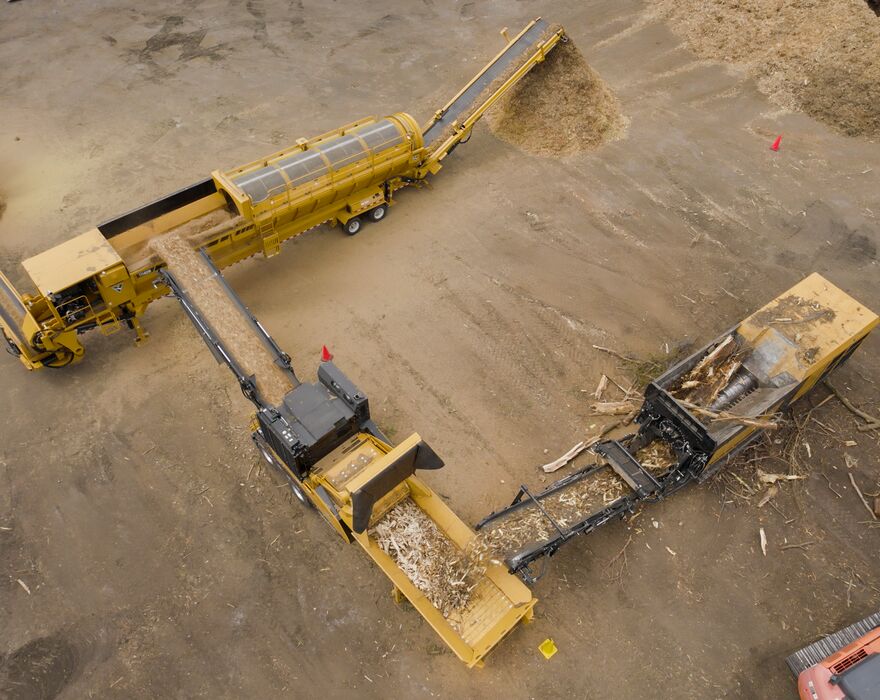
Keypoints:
(656, 456)
(429, 559)
(504, 537)
(710, 376)
(819, 57)
(561, 107)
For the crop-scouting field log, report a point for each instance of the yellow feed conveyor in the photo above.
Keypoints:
(107, 277)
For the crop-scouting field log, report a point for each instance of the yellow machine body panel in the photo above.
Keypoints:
(326, 168)
(793, 343)
(819, 320)
(71, 262)
(499, 601)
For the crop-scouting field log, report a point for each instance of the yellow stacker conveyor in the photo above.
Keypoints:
(106, 277)
(321, 438)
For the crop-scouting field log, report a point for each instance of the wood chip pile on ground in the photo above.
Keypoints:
(819, 57)
(561, 107)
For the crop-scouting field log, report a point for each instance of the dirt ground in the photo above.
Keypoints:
(160, 560)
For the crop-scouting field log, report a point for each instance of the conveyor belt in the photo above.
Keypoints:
(622, 482)
(559, 533)
(466, 102)
(263, 370)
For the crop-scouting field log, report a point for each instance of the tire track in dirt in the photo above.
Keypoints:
(441, 400)
(506, 344)
(550, 369)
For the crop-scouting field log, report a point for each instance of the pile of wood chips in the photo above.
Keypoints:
(434, 564)
(561, 107)
(818, 56)
(656, 456)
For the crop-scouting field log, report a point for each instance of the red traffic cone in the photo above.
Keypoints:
(326, 355)
(775, 146)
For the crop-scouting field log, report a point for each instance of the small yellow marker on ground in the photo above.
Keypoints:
(547, 648)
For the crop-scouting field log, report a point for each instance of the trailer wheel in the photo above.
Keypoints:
(294, 487)
(352, 226)
(300, 494)
(378, 213)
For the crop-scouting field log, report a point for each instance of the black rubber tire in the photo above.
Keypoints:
(299, 494)
(353, 226)
(294, 487)
(377, 214)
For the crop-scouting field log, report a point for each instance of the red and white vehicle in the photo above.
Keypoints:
(842, 666)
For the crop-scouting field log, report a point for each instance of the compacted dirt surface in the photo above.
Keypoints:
(144, 552)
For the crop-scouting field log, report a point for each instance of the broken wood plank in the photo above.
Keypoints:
(612, 408)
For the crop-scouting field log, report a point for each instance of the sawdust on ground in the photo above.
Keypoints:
(434, 564)
(527, 525)
(818, 56)
(561, 107)
(198, 280)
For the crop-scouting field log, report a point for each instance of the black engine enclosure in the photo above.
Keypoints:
(314, 419)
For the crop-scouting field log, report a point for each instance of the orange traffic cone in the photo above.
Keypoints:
(775, 146)
(326, 355)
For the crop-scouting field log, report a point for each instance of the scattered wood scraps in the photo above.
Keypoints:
(771, 492)
(862, 497)
(600, 389)
(560, 462)
(757, 422)
(614, 353)
(802, 545)
(612, 408)
(767, 478)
